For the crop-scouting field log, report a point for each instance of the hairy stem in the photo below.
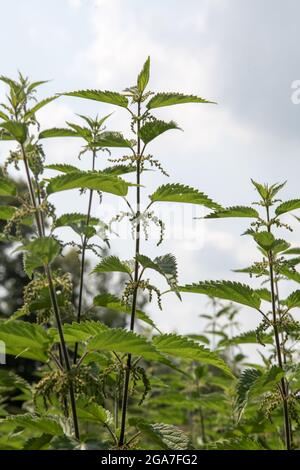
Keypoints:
(136, 279)
(52, 292)
(283, 383)
(82, 264)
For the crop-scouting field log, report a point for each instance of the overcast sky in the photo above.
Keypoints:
(244, 54)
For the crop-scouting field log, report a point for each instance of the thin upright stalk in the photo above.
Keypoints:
(135, 279)
(82, 263)
(52, 292)
(283, 383)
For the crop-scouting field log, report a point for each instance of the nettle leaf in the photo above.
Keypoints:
(112, 139)
(112, 264)
(185, 348)
(78, 222)
(291, 274)
(165, 265)
(266, 382)
(182, 193)
(168, 99)
(241, 443)
(249, 337)
(235, 211)
(293, 300)
(100, 337)
(89, 411)
(62, 167)
(143, 77)
(165, 436)
(57, 132)
(292, 251)
(153, 129)
(112, 302)
(287, 206)
(7, 187)
(120, 340)
(254, 383)
(279, 246)
(81, 331)
(35, 423)
(119, 170)
(110, 97)
(6, 212)
(90, 180)
(25, 339)
(228, 290)
(38, 106)
(16, 129)
(43, 250)
(265, 240)
(264, 293)
(246, 380)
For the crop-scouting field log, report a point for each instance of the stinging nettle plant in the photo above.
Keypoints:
(96, 370)
(276, 384)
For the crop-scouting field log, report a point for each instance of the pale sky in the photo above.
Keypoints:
(242, 54)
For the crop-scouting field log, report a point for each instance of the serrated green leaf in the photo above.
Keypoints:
(168, 99)
(35, 423)
(293, 300)
(43, 250)
(119, 170)
(90, 411)
(165, 436)
(242, 443)
(184, 194)
(264, 294)
(112, 139)
(265, 240)
(57, 132)
(7, 187)
(16, 129)
(90, 180)
(25, 339)
(152, 129)
(228, 290)
(292, 251)
(143, 77)
(112, 264)
(249, 337)
(246, 380)
(120, 340)
(110, 97)
(165, 265)
(62, 167)
(287, 206)
(184, 348)
(112, 302)
(235, 211)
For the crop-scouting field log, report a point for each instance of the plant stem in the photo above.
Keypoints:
(82, 264)
(52, 292)
(135, 279)
(283, 383)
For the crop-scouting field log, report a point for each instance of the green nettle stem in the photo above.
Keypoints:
(82, 264)
(52, 292)
(135, 279)
(283, 383)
